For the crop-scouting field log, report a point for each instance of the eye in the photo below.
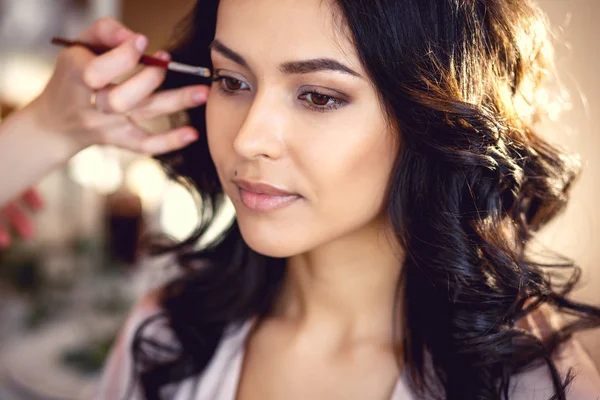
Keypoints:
(321, 102)
(313, 100)
(228, 84)
(319, 99)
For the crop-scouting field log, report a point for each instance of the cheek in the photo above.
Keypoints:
(221, 127)
(358, 179)
(347, 169)
(213, 127)
(350, 167)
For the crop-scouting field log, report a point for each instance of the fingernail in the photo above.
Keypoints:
(189, 137)
(141, 42)
(199, 96)
(163, 55)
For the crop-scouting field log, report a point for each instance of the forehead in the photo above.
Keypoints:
(276, 31)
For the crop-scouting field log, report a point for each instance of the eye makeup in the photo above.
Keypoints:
(313, 98)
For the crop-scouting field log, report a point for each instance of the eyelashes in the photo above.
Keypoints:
(313, 99)
(331, 103)
(221, 79)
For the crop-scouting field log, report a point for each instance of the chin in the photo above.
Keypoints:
(268, 240)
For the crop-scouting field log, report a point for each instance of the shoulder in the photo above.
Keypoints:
(117, 375)
(147, 317)
(536, 384)
(147, 306)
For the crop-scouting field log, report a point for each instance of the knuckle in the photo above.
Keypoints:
(89, 77)
(87, 123)
(144, 146)
(105, 22)
(148, 85)
(103, 139)
(69, 59)
(157, 76)
(105, 28)
(74, 65)
(131, 58)
(115, 103)
(65, 57)
(141, 114)
(124, 60)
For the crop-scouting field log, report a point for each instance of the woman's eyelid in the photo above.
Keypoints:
(218, 78)
(224, 73)
(303, 90)
(324, 91)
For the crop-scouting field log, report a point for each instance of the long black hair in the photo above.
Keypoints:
(471, 185)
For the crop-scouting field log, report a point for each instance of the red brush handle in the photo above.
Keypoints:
(100, 49)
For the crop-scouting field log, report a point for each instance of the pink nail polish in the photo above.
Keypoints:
(141, 42)
(163, 55)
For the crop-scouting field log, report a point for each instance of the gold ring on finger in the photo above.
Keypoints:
(94, 102)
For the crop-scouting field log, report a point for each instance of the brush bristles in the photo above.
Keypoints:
(189, 69)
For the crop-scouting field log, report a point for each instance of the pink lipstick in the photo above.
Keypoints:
(258, 196)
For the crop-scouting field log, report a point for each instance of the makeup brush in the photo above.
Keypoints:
(146, 60)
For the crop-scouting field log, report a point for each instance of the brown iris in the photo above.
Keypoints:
(319, 99)
(233, 84)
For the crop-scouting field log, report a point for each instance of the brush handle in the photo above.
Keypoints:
(100, 49)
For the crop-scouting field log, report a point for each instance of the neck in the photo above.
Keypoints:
(345, 288)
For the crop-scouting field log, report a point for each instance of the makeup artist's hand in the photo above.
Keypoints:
(83, 105)
(14, 217)
(63, 119)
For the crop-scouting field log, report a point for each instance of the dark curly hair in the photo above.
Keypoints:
(470, 187)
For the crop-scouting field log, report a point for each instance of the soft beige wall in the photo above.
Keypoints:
(155, 18)
(577, 232)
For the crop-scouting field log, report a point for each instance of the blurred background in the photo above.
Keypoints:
(64, 294)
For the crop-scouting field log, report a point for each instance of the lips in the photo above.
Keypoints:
(258, 196)
(262, 188)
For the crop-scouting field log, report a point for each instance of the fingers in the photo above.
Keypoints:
(171, 101)
(169, 141)
(134, 97)
(125, 96)
(106, 31)
(15, 216)
(33, 200)
(107, 67)
(4, 237)
(19, 220)
(166, 142)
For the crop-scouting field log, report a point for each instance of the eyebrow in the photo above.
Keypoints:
(289, 67)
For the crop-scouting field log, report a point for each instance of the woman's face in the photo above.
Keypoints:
(294, 109)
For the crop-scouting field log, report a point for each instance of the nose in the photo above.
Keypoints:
(261, 134)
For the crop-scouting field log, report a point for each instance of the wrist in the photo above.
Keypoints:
(40, 130)
(28, 151)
